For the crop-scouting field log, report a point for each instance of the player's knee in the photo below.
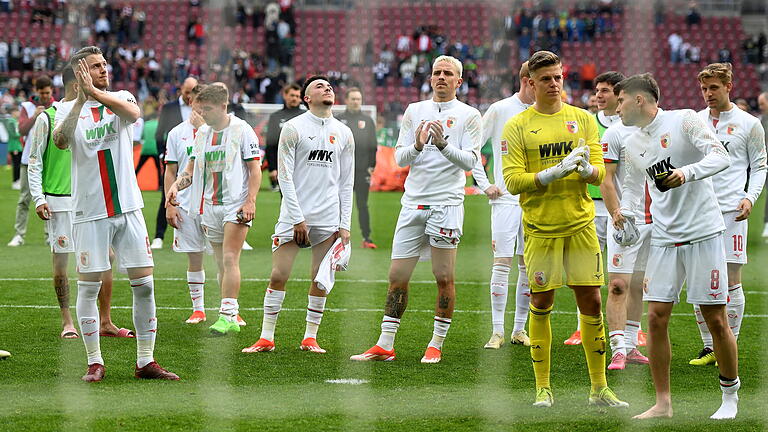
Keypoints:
(617, 287)
(657, 320)
(444, 279)
(716, 324)
(503, 261)
(231, 259)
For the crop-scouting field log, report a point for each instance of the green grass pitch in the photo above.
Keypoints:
(224, 390)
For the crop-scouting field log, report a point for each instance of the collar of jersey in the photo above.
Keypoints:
(652, 126)
(724, 115)
(445, 105)
(319, 120)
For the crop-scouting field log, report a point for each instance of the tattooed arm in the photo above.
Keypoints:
(183, 181)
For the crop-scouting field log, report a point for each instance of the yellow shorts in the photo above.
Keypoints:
(578, 256)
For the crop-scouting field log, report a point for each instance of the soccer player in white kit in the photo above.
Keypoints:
(440, 139)
(744, 138)
(107, 209)
(188, 234)
(506, 219)
(315, 170)
(224, 172)
(678, 154)
(626, 264)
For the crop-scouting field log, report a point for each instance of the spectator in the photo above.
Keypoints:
(14, 145)
(742, 104)
(380, 73)
(386, 56)
(524, 45)
(102, 27)
(693, 17)
(3, 56)
(675, 41)
(724, 55)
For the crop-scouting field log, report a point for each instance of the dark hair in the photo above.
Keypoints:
(307, 83)
(639, 83)
(83, 53)
(611, 78)
(67, 75)
(353, 90)
(291, 86)
(542, 59)
(42, 82)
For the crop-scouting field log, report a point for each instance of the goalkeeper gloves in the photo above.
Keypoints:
(628, 235)
(568, 165)
(584, 169)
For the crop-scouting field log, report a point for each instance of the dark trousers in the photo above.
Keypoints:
(143, 159)
(16, 162)
(361, 200)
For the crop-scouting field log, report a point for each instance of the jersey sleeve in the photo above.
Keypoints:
(346, 182)
(249, 146)
(171, 147)
(478, 172)
(515, 162)
(286, 156)
(704, 140)
(631, 188)
(39, 141)
(757, 161)
(595, 149)
(611, 144)
(128, 97)
(405, 150)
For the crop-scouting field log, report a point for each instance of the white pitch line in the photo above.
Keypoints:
(352, 381)
(368, 281)
(342, 310)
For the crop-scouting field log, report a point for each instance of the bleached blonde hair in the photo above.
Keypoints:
(452, 60)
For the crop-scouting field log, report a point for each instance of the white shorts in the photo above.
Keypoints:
(317, 234)
(418, 229)
(126, 234)
(189, 237)
(735, 238)
(601, 227)
(629, 259)
(59, 228)
(506, 230)
(214, 218)
(701, 266)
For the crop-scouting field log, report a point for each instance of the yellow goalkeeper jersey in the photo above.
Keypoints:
(532, 142)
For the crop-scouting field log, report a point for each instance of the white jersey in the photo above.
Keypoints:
(103, 180)
(613, 142)
(225, 153)
(437, 176)
(38, 141)
(607, 121)
(493, 125)
(178, 148)
(315, 169)
(604, 122)
(744, 138)
(676, 140)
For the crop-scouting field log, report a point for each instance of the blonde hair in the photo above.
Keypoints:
(721, 71)
(542, 59)
(214, 93)
(452, 60)
(524, 72)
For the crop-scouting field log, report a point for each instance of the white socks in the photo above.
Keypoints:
(273, 302)
(389, 326)
(315, 308)
(617, 342)
(144, 319)
(522, 299)
(440, 331)
(735, 308)
(196, 282)
(631, 328)
(499, 290)
(229, 309)
(730, 405)
(88, 317)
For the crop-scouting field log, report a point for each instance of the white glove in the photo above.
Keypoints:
(628, 235)
(566, 166)
(585, 168)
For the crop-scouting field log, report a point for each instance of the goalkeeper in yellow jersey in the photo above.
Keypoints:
(552, 153)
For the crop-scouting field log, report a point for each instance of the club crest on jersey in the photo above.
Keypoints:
(332, 138)
(665, 140)
(450, 121)
(618, 259)
(493, 245)
(361, 124)
(539, 278)
(504, 149)
(84, 259)
(572, 126)
(731, 129)
(62, 241)
(645, 285)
